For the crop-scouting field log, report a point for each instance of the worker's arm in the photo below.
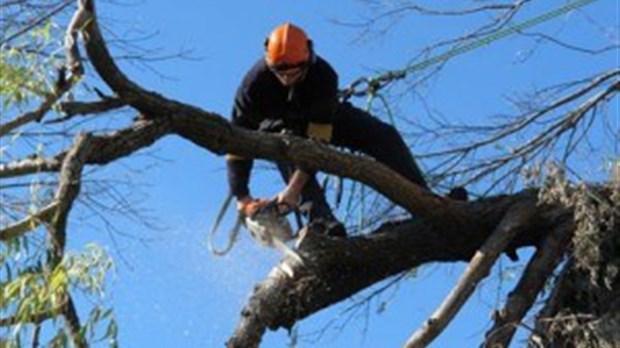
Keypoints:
(291, 194)
(320, 110)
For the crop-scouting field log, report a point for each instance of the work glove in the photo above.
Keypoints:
(249, 207)
(287, 200)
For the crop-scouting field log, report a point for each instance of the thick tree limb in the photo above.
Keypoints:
(337, 269)
(479, 267)
(534, 278)
(68, 190)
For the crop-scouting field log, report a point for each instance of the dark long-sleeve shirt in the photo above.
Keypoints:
(262, 102)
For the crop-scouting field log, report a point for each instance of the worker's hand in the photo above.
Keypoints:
(248, 206)
(288, 199)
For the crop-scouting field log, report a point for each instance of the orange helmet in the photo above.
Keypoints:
(287, 45)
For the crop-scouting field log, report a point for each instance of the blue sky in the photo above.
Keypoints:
(170, 291)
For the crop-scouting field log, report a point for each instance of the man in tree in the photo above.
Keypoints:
(294, 90)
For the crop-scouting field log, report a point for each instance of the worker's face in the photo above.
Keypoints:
(290, 76)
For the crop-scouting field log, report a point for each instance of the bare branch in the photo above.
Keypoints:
(68, 190)
(30, 166)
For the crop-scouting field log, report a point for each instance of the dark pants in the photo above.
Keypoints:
(357, 130)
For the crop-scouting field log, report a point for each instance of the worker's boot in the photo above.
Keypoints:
(458, 193)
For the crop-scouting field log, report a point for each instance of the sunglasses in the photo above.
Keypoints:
(285, 67)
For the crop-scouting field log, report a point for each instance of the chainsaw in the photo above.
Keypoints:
(269, 226)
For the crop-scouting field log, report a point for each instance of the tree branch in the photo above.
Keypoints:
(29, 223)
(68, 190)
(106, 148)
(71, 109)
(534, 278)
(336, 269)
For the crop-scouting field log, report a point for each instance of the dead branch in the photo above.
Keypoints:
(479, 267)
(512, 128)
(106, 148)
(79, 19)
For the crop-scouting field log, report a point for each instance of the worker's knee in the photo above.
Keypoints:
(386, 133)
